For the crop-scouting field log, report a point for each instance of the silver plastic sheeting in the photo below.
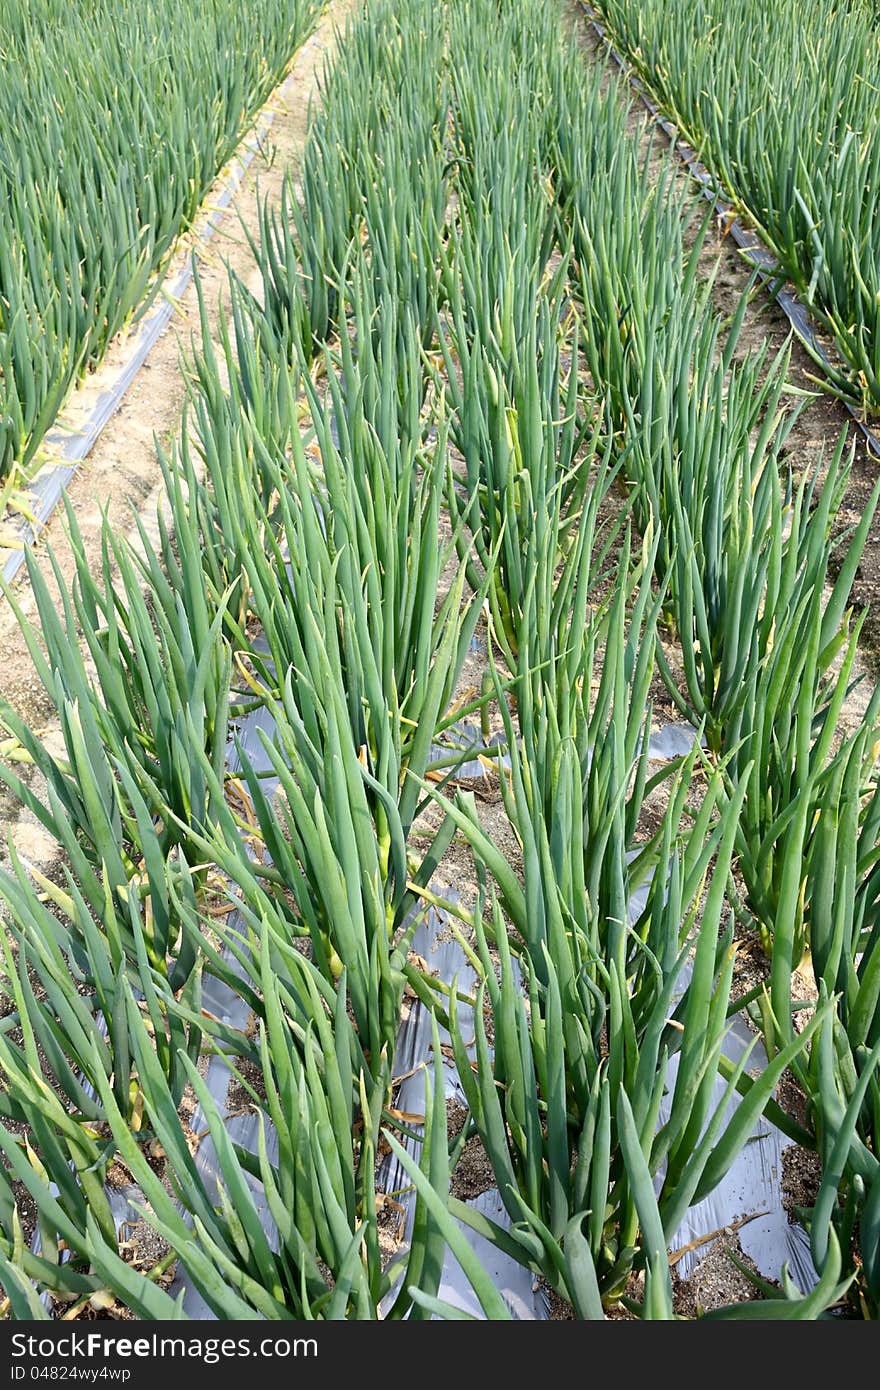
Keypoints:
(517, 1286)
(672, 741)
(123, 1202)
(243, 1130)
(463, 735)
(751, 1189)
(751, 1192)
(413, 1056)
(231, 1009)
(664, 744)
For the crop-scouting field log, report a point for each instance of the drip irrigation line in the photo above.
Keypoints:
(746, 238)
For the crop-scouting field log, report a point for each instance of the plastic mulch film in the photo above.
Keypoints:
(231, 1009)
(464, 735)
(413, 1055)
(242, 1127)
(749, 1199)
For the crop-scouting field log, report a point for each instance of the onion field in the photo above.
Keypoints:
(114, 120)
(489, 695)
(782, 102)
